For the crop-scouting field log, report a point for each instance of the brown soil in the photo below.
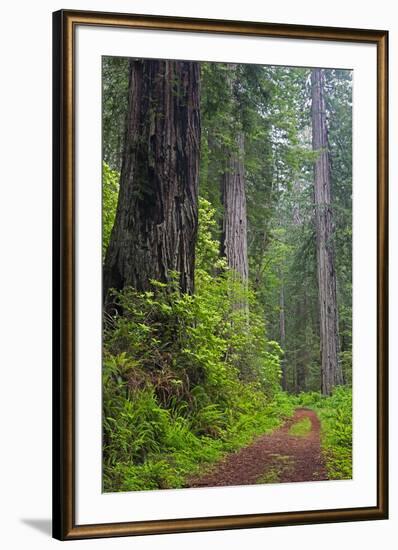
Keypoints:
(274, 458)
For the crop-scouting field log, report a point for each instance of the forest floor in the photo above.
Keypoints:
(290, 453)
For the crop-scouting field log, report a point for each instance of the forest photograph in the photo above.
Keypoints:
(226, 274)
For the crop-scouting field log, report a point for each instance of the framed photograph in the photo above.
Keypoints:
(220, 274)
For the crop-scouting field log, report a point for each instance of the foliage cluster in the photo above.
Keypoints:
(186, 378)
(335, 414)
(110, 190)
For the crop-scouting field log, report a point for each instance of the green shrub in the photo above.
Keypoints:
(186, 377)
(335, 414)
(110, 192)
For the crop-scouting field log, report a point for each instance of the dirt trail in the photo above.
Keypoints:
(278, 457)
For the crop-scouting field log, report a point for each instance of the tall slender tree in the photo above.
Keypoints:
(157, 214)
(234, 230)
(233, 194)
(331, 373)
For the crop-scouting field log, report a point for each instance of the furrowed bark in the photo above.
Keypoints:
(331, 373)
(233, 198)
(234, 231)
(157, 214)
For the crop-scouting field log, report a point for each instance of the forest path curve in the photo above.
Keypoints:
(277, 457)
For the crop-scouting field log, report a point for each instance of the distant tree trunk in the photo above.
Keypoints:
(331, 374)
(157, 214)
(298, 372)
(234, 229)
(301, 377)
(233, 195)
(301, 356)
(282, 332)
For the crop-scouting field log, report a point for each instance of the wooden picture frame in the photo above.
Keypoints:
(65, 24)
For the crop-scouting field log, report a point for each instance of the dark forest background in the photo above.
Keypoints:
(227, 249)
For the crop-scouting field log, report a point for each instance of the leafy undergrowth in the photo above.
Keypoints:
(154, 448)
(186, 378)
(335, 414)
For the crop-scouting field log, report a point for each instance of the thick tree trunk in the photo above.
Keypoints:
(331, 374)
(157, 214)
(234, 230)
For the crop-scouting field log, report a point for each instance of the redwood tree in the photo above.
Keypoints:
(234, 230)
(233, 192)
(157, 214)
(331, 373)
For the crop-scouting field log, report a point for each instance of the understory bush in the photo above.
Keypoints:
(110, 190)
(335, 414)
(186, 378)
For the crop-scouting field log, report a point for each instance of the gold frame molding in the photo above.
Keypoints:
(64, 26)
